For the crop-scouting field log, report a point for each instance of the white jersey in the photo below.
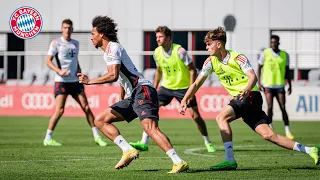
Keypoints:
(66, 52)
(129, 77)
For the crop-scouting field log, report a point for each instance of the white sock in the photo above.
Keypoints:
(95, 132)
(287, 129)
(206, 139)
(49, 134)
(174, 156)
(145, 138)
(122, 143)
(228, 147)
(301, 148)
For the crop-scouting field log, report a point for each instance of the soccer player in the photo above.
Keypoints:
(66, 51)
(275, 65)
(141, 101)
(178, 71)
(239, 79)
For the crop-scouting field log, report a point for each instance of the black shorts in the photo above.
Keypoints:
(166, 95)
(274, 91)
(143, 103)
(72, 88)
(250, 110)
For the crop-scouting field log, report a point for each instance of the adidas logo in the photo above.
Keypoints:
(120, 141)
(229, 147)
(143, 113)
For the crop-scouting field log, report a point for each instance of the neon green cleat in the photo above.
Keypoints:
(225, 165)
(100, 142)
(140, 146)
(51, 142)
(315, 153)
(210, 148)
(180, 167)
(126, 158)
(290, 136)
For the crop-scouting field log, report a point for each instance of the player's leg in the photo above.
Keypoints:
(60, 101)
(227, 115)
(281, 98)
(148, 113)
(120, 111)
(268, 134)
(269, 98)
(164, 97)
(81, 98)
(195, 114)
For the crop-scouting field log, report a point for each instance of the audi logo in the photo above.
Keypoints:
(37, 101)
(213, 103)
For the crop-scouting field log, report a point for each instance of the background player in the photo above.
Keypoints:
(66, 52)
(178, 71)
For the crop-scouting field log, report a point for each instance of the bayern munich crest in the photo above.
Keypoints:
(26, 22)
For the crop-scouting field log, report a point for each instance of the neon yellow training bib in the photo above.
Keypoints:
(230, 75)
(274, 68)
(175, 73)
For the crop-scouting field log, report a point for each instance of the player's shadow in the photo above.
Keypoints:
(209, 170)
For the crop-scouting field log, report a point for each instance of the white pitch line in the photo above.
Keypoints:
(192, 151)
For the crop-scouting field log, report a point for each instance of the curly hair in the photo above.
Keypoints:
(106, 26)
(165, 30)
(216, 34)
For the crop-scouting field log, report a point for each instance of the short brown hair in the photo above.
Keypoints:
(217, 34)
(165, 30)
(67, 21)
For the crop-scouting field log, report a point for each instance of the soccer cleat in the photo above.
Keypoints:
(51, 142)
(290, 136)
(126, 158)
(210, 148)
(179, 167)
(225, 165)
(315, 153)
(140, 146)
(100, 142)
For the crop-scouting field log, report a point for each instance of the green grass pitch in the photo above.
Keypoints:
(23, 156)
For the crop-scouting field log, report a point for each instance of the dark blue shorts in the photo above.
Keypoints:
(166, 95)
(250, 110)
(72, 88)
(274, 91)
(143, 103)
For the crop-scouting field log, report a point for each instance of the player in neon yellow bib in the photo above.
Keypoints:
(177, 71)
(275, 64)
(239, 79)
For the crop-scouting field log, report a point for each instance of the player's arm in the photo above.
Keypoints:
(122, 93)
(260, 65)
(183, 55)
(191, 92)
(111, 76)
(193, 73)
(205, 72)
(157, 77)
(54, 67)
(287, 75)
(79, 68)
(248, 70)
